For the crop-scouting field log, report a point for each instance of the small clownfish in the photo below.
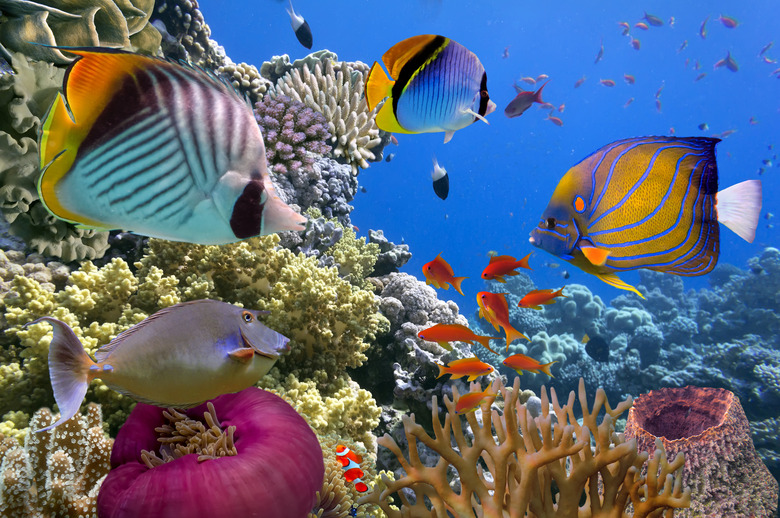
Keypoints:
(350, 463)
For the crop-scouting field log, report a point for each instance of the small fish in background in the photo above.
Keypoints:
(626, 28)
(437, 85)
(350, 464)
(658, 105)
(469, 401)
(529, 80)
(641, 25)
(775, 72)
(565, 274)
(729, 62)
(555, 120)
(578, 82)
(671, 21)
(505, 55)
(535, 299)
(441, 180)
(682, 47)
(672, 131)
(547, 106)
(523, 101)
(635, 44)
(630, 100)
(494, 308)
(549, 264)
(654, 20)
(600, 55)
(629, 79)
(438, 273)
(696, 65)
(765, 48)
(728, 22)
(471, 368)
(501, 266)
(607, 82)
(443, 334)
(700, 77)
(393, 140)
(726, 133)
(131, 143)
(703, 28)
(179, 357)
(521, 362)
(542, 77)
(617, 233)
(768, 60)
(561, 108)
(389, 157)
(363, 189)
(760, 171)
(660, 90)
(767, 162)
(301, 28)
(597, 348)
(704, 126)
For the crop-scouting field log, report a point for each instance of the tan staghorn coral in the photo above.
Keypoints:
(524, 457)
(58, 472)
(336, 91)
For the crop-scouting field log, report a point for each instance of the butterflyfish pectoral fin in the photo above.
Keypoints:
(242, 354)
(597, 256)
(447, 135)
(614, 280)
(475, 114)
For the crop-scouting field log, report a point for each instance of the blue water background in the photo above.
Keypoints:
(502, 174)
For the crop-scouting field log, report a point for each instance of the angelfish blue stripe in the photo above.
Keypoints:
(594, 169)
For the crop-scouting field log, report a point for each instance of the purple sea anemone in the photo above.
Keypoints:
(260, 458)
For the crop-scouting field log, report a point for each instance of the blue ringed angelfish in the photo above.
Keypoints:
(438, 85)
(160, 149)
(646, 202)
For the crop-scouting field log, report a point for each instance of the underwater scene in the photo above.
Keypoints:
(301, 259)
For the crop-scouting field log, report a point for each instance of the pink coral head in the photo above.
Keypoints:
(275, 474)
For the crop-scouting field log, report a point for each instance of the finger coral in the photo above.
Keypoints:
(525, 457)
(336, 91)
(58, 472)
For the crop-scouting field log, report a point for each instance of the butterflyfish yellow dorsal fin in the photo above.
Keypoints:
(378, 86)
(400, 54)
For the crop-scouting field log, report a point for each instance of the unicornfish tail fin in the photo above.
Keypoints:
(69, 366)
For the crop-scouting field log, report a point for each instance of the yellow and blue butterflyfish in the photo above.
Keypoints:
(437, 85)
(157, 148)
(646, 202)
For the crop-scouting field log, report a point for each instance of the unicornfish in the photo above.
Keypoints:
(179, 357)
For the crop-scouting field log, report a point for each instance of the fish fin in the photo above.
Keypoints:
(546, 368)
(68, 369)
(585, 338)
(537, 307)
(399, 54)
(739, 208)
(448, 135)
(442, 370)
(378, 86)
(524, 261)
(513, 334)
(295, 20)
(475, 114)
(445, 345)
(484, 341)
(387, 121)
(472, 377)
(596, 256)
(499, 278)
(456, 283)
(538, 94)
(614, 280)
(242, 354)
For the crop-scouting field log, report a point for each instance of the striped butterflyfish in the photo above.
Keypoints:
(157, 148)
(437, 85)
(646, 202)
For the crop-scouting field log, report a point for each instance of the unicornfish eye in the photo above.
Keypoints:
(247, 316)
(550, 223)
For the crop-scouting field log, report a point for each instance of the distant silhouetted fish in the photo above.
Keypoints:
(597, 348)
(301, 28)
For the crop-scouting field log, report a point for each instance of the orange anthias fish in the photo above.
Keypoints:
(502, 265)
(470, 401)
(494, 308)
(523, 101)
(350, 463)
(445, 333)
(438, 273)
(471, 367)
(521, 362)
(535, 299)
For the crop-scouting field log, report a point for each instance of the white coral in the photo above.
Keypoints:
(336, 91)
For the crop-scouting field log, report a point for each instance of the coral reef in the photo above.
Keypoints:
(708, 425)
(25, 96)
(276, 469)
(186, 35)
(391, 256)
(33, 28)
(246, 79)
(524, 457)
(275, 68)
(336, 91)
(58, 472)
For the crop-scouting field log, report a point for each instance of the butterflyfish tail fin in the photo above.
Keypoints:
(614, 280)
(69, 366)
(739, 208)
(484, 341)
(546, 368)
(378, 85)
(456, 283)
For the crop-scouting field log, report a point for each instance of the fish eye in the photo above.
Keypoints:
(484, 94)
(247, 316)
(550, 223)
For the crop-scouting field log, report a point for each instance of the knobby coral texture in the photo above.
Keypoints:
(511, 471)
(708, 425)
